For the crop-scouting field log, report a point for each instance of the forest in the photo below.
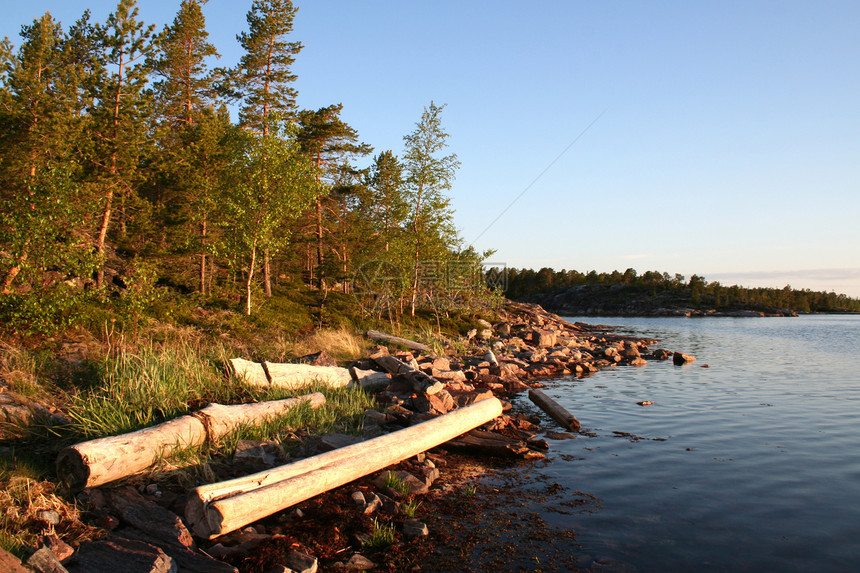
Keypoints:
(652, 289)
(124, 178)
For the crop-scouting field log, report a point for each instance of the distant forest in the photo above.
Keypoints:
(653, 289)
(123, 175)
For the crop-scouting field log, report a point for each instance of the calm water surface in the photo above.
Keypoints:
(751, 464)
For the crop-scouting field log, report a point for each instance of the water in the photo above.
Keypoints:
(751, 464)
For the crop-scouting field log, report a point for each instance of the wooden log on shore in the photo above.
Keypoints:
(294, 376)
(554, 409)
(288, 376)
(104, 460)
(220, 508)
(411, 344)
(420, 381)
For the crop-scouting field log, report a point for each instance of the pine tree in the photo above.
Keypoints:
(428, 176)
(188, 131)
(330, 143)
(263, 77)
(120, 109)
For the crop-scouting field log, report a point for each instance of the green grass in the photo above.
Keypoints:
(410, 507)
(381, 535)
(395, 483)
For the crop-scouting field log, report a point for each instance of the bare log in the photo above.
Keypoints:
(217, 509)
(554, 409)
(382, 337)
(103, 460)
(420, 381)
(294, 376)
(252, 372)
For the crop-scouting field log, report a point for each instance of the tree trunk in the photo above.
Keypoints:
(216, 509)
(267, 274)
(103, 460)
(203, 257)
(387, 338)
(248, 282)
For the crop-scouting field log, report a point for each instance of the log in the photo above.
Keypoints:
(492, 444)
(97, 462)
(411, 344)
(294, 376)
(554, 409)
(251, 372)
(420, 381)
(220, 508)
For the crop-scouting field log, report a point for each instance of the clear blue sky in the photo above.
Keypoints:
(728, 145)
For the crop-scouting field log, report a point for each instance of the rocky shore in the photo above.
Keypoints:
(402, 518)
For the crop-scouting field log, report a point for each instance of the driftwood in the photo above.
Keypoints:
(103, 460)
(554, 409)
(411, 344)
(288, 376)
(216, 509)
(420, 381)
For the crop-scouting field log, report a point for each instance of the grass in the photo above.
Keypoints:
(395, 483)
(470, 490)
(381, 535)
(410, 507)
(340, 343)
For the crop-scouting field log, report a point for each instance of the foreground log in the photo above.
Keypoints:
(251, 372)
(220, 508)
(420, 381)
(411, 344)
(103, 460)
(294, 376)
(554, 409)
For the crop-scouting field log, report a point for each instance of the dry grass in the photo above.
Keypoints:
(339, 343)
(22, 499)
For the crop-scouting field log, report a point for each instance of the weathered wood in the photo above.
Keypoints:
(103, 460)
(554, 409)
(294, 376)
(219, 508)
(420, 381)
(43, 561)
(149, 517)
(251, 372)
(117, 554)
(411, 344)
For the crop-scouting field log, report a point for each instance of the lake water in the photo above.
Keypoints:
(750, 464)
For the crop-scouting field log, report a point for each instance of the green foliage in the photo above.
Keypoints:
(410, 507)
(395, 483)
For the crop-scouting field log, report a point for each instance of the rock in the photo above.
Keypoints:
(680, 358)
(484, 324)
(335, 441)
(372, 505)
(49, 516)
(358, 498)
(260, 451)
(544, 338)
(149, 517)
(44, 561)
(113, 554)
(301, 562)
(10, 564)
(317, 359)
(415, 528)
(485, 334)
(370, 380)
(359, 562)
(58, 547)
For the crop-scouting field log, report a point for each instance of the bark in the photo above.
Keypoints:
(104, 460)
(217, 509)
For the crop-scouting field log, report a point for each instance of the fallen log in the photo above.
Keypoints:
(251, 372)
(554, 409)
(219, 508)
(420, 381)
(104, 460)
(293, 376)
(411, 344)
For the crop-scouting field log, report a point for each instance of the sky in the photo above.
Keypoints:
(717, 138)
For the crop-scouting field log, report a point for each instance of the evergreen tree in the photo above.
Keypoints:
(263, 78)
(330, 143)
(120, 109)
(189, 132)
(428, 176)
